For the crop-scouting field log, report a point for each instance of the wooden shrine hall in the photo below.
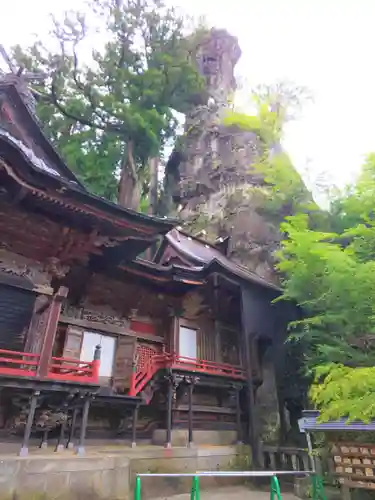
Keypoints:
(96, 339)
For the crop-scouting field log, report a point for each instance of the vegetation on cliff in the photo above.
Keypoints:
(109, 108)
(284, 191)
(327, 264)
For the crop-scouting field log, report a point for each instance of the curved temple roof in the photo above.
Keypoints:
(202, 255)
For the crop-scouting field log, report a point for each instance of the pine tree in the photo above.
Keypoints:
(111, 117)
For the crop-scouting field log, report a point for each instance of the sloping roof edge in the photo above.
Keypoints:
(12, 91)
(216, 258)
(68, 191)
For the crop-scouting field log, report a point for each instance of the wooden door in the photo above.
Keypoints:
(73, 342)
(125, 354)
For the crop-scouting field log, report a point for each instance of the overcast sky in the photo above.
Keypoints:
(326, 45)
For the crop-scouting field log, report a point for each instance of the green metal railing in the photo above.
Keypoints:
(275, 493)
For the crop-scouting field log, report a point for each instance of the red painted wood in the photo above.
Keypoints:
(58, 369)
(50, 331)
(142, 327)
(19, 353)
(147, 368)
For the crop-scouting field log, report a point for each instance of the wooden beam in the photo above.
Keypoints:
(50, 331)
(105, 328)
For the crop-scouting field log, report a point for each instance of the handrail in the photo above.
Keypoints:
(317, 483)
(19, 353)
(143, 374)
(58, 368)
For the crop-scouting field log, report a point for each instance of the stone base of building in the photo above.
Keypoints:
(200, 437)
(109, 473)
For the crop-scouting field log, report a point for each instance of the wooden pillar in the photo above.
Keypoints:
(238, 415)
(134, 426)
(215, 309)
(29, 423)
(190, 416)
(50, 332)
(70, 442)
(82, 435)
(60, 441)
(247, 334)
(168, 441)
(44, 440)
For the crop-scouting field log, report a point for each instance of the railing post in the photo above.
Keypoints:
(318, 492)
(195, 492)
(137, 488)
(132, 378)
(50, 332)
(275, 489)
(96, 363)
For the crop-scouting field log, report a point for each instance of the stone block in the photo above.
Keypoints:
(31, 486)
(10, 467)
(68, 464)
(57, 485)
(121, 483)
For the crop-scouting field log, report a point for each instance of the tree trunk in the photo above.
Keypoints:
(153, 196)
(129, 193)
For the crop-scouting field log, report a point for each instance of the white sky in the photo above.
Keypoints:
(326, 45)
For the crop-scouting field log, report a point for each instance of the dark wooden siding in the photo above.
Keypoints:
(16, 308)
(221, 346)
(207, 348)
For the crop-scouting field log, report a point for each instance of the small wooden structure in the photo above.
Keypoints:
(353, 463)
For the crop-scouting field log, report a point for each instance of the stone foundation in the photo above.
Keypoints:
(109, 474)
(201, 437)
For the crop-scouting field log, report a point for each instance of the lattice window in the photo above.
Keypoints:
(144, 354)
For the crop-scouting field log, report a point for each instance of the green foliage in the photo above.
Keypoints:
(340, 391)
(356, 204)
(331, 275)
(335, 289)
(285, 191)
(115, 112)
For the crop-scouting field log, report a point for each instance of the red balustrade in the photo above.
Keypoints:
(204, 366)
(149, 365)
(25, 364)
(16, 363)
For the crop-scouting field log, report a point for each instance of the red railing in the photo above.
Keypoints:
(145, 371)
(18, 363)
(203, 366)
(25, 364)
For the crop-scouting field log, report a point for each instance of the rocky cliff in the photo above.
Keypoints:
(210, 177)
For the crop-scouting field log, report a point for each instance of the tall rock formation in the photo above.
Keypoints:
(214, 186)
(210, 176)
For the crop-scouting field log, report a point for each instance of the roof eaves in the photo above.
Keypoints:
(83, 195)
(13, 92)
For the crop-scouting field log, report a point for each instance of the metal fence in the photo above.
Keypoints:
(275, 493)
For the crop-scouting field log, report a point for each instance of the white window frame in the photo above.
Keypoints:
(107, 354)
(186, 347)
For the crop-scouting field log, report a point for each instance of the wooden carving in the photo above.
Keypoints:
(193, 305)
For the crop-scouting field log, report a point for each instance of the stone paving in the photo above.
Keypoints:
(231, 493)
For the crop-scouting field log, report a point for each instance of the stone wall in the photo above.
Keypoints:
(110, 475)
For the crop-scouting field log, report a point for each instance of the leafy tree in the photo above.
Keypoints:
(111, 117)
(331, 275)
(341, 391)
(275, 105)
